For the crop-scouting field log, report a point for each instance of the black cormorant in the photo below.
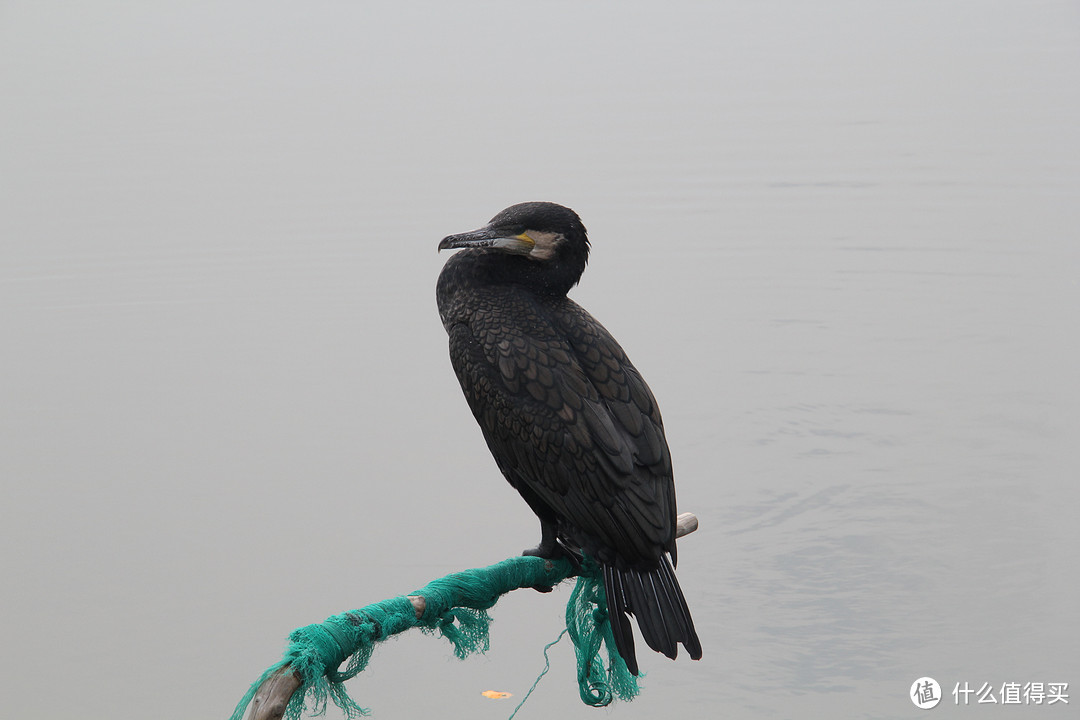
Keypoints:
(571, 423)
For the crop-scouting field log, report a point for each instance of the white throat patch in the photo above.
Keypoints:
(544, 244)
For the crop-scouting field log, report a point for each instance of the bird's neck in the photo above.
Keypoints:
(473, 269)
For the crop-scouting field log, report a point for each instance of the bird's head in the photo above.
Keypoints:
(549, 238)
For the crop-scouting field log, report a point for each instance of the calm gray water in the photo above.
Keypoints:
(839, 239)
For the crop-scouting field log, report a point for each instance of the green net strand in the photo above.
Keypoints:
(455, 608)
(547, 666)
(316, 652)
(589, 626)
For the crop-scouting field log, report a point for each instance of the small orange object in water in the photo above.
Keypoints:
(495, 694)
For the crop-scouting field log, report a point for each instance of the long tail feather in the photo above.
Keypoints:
(655, 599)
(618, 609)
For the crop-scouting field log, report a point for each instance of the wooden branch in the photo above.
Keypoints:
(685, 524)
(272, 698)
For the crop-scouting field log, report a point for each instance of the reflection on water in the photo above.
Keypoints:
(842, 253)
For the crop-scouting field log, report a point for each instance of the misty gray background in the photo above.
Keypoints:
(839, 239)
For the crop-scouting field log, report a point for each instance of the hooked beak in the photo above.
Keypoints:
(488, 238)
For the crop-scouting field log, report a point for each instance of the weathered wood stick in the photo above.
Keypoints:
(685, 524)
(273, 696)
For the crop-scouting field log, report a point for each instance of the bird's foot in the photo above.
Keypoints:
(548, 550)
(554, 550)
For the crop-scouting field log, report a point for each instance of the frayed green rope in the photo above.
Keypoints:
(589, 625)
(547, 666)
(456, 608)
